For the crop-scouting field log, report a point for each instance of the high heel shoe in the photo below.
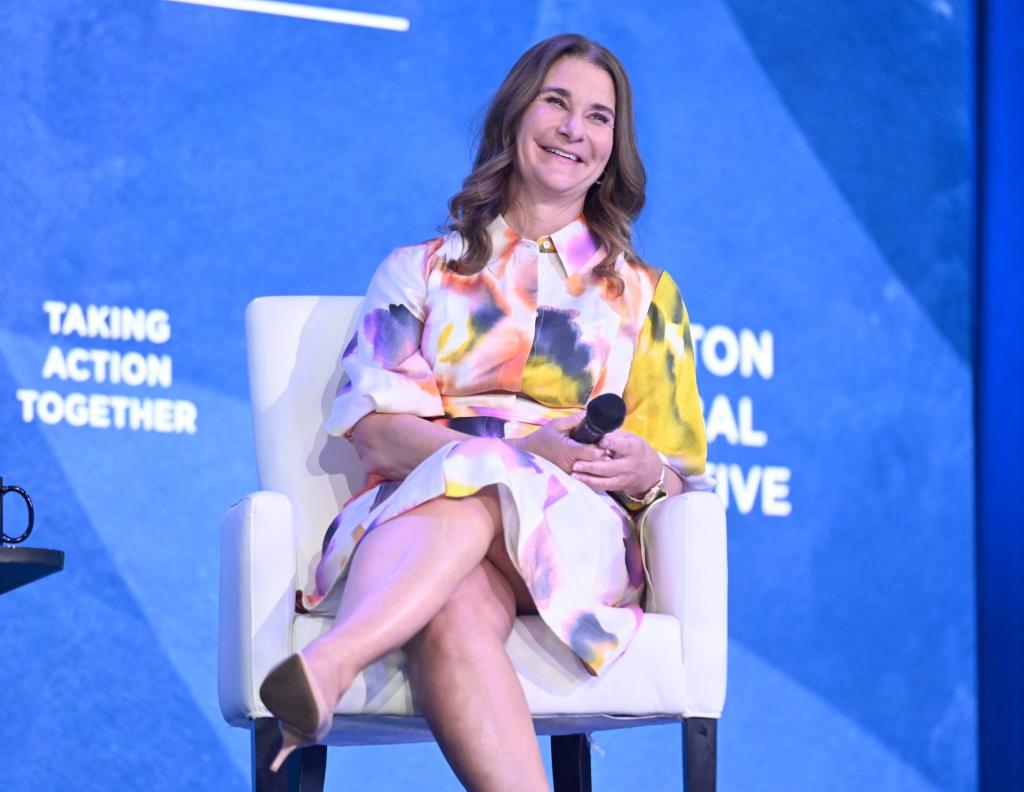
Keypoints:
(291, 693)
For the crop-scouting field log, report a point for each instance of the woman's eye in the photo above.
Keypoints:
(555, 100)
(601, 118)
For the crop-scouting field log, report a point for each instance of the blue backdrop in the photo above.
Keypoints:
(810, 189)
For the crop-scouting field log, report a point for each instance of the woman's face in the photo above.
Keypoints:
(566, 134)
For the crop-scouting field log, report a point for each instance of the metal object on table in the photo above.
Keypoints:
(21, 565)
(4, 538)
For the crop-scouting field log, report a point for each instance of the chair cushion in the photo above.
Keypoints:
(647, 680)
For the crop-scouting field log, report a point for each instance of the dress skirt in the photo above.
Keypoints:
(576, 550)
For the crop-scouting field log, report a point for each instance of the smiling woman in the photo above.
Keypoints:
(572, 95)
(563, 144)
(470, 364)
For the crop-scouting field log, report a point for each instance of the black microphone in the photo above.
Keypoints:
(605, 414)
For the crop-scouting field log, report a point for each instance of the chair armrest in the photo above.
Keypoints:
(684, 548)
(257, 599)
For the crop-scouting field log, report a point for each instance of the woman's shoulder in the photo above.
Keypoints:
(420, 257)
(655, 291)
(642, 275)
(431, 252)
(656, 278)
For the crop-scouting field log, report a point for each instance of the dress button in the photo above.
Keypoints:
(546, 245)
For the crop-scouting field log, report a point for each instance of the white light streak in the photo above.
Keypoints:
(316, 13)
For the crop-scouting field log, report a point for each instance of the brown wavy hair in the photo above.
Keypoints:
(610, 207)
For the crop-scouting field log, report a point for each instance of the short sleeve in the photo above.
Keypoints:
(385, 368)
(662, 403)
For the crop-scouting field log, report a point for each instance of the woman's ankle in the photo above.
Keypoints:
(329, 669)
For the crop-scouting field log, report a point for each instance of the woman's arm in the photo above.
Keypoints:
(662, 409)
(392, 444)
(662, 403)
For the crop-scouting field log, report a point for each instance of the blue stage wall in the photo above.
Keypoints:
(999, 379)
(810, 189)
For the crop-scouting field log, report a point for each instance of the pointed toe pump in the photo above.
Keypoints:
(292, 695)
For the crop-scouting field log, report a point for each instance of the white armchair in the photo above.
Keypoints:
(674, 670)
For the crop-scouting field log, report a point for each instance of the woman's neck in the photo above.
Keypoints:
(532, 219)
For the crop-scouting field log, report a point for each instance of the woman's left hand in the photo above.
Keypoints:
(631, 465)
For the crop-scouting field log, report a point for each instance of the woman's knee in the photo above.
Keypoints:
(482, 606)
(488, 505)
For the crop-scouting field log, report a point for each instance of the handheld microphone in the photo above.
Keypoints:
(605, 414)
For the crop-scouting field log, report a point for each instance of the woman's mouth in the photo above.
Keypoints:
(560, 153)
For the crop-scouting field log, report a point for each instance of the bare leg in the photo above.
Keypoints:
(402, 574)
(463, 680)
(420, 580)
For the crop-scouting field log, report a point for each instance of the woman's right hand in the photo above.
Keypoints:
(552, 442)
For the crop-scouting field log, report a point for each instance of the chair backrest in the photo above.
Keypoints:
(294, 351)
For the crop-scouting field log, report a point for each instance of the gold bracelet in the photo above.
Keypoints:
(648, 497)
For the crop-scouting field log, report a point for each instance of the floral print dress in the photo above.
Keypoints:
(533, 336)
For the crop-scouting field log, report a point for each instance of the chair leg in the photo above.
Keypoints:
(700, 754)
(304, 771)
(570, 762)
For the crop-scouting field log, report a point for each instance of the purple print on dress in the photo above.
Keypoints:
(634, 555)
(558, 340)
(590, 641)
(393, 333)
(582, 248)
(539, 556)
(353, 344)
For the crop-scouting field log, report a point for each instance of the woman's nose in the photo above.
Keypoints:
(571, 125)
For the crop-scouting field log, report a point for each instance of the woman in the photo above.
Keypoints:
(501, 331)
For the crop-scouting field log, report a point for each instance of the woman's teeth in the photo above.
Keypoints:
(561, 153)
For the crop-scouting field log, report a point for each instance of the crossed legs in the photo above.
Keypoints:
(438, 582)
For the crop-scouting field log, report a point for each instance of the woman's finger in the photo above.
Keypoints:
(585, 453)
(604, 468)
(622, 443)
(613, 441)
(600, 483)
(566, 424)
